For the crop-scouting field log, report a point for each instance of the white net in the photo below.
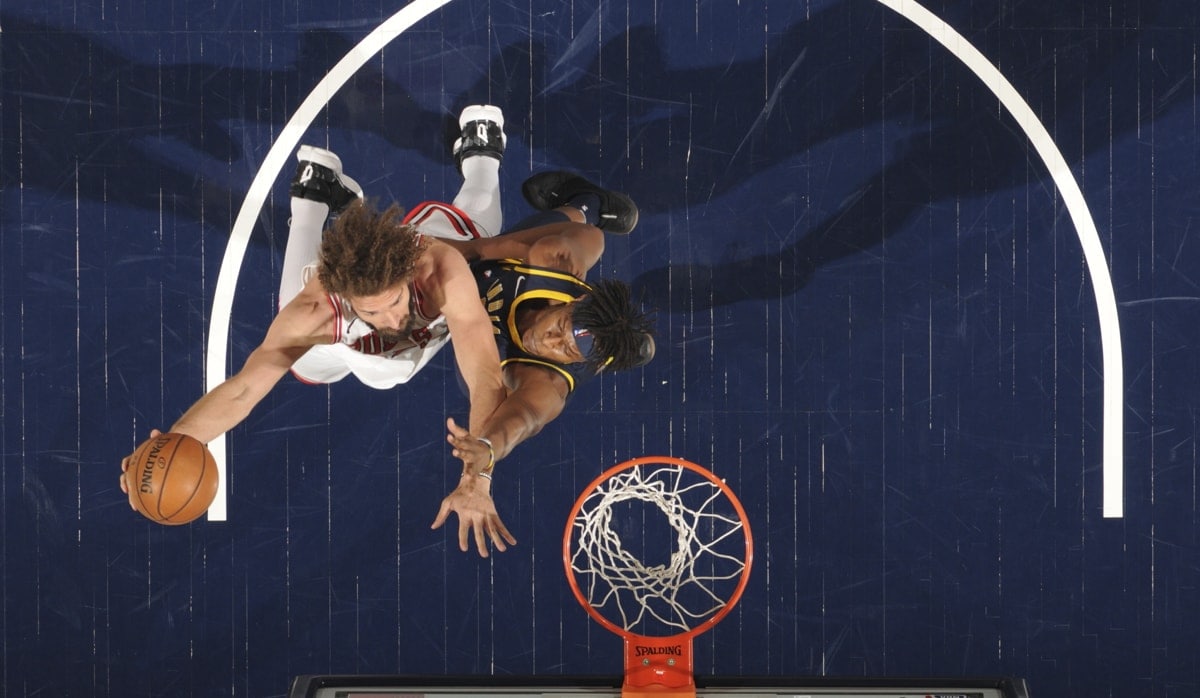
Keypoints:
(658, 549)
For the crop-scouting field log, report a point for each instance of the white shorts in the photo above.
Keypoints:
(441, 220)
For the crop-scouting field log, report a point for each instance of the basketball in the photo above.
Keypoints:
(172, 479)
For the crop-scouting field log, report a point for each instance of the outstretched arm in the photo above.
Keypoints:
(226, 405)
(297, 328)
(536, 397)
(293, 331)
(471, 334)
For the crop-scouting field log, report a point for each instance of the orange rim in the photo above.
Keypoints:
(660, 460)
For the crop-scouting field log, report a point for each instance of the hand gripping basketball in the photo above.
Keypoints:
(170, 479)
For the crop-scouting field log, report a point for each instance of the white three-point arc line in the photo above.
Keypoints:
(373, 43)
(260, 188)
(1085, 228)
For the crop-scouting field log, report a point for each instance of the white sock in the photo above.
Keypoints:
(303, 245)
(479, 197)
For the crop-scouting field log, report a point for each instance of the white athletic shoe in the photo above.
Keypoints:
(319, 177)
(482, 133)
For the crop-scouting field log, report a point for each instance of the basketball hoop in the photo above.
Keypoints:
(658, 606)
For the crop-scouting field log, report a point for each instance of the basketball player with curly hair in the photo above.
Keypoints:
(377, 295)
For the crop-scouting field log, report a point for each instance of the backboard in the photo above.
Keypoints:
(333, 686)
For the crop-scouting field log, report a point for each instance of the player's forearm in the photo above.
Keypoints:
(220, 410)
(485, 401)
(478, 360)
(485, 383)
(513, 422)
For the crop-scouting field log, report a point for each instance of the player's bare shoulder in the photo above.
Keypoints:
(443, 274)
(307, 320)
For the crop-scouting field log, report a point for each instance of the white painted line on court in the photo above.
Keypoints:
(280, 152)
(1064, 179)
(1085, 227)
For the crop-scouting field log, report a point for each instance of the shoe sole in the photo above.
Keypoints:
(536, 187)
(329, 160)
(475, 113)
(325, 158)
(633, 220)
(481, 112)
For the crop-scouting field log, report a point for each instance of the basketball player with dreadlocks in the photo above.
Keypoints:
(555, 330)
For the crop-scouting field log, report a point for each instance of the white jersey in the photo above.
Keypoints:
(357, 348)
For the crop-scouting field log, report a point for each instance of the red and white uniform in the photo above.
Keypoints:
(358, 349)
(441, 220)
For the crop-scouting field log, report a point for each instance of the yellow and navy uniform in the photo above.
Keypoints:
(505, 285)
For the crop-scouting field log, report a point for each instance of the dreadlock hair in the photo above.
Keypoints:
(365, 252)
(622, 333)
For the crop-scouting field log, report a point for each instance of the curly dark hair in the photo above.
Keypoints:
(365, 252)
(623, 334)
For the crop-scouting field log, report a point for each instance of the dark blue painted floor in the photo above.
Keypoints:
(875, 321)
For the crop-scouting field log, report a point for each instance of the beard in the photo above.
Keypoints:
(392, 336)
(389, 336)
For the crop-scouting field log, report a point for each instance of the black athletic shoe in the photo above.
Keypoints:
(319, 178)
(549, 190)
(482, 133)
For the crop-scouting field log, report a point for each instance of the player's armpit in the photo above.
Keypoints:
(306, 321)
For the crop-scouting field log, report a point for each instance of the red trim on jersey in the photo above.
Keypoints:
(419, 302)
(461, 222)
(336, 304)
(304, 380)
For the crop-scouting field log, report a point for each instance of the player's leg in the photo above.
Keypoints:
(478, 153)
(551, 217)
(318, 189)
